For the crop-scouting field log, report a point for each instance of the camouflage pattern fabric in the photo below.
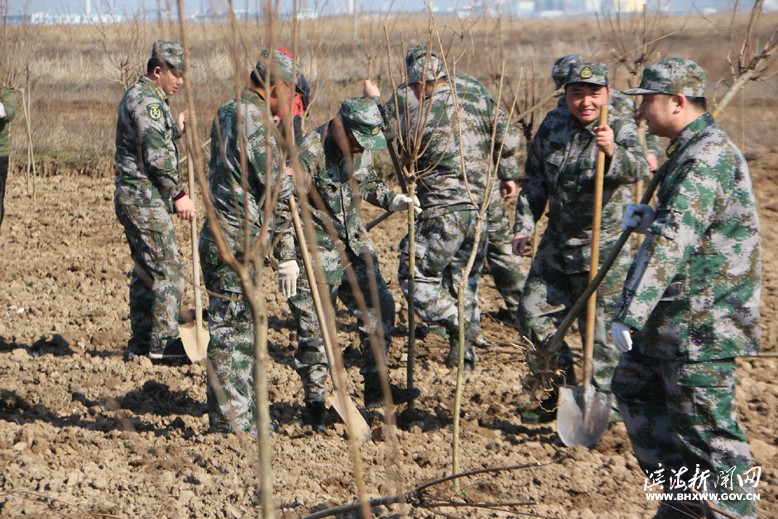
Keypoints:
(548, 295)
(342, 245)
(504, 266)
(692, 295)
(147, 178)
(672, 76)
(154, 311)
(560, 170)
(169, 52)
(146, 153)
(440, 187)
(231, 350)
(8, 99)
(443, 246)
(445, 232)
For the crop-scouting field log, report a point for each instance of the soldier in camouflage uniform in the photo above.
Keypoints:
(620, 104)
(148, 189)
(560, 171)
(240, 126)
(691, 300)
(456, 166)
(337, 157)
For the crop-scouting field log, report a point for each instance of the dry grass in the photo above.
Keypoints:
(77, 73)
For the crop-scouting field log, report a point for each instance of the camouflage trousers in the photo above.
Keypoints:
(680, 417)
(504, 266)
(310, 357)
(155, 309)
(547, 297)
(230, 390)
(443, 247)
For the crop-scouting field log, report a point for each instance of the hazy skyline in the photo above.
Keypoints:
(17, 7)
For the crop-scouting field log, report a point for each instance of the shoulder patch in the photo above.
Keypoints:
(155, 111)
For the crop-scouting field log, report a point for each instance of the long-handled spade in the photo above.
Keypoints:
(194, 334)
(584, 413)
(342, 403)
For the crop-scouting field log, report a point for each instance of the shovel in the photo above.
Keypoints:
(342, 403)
(194, 333)
(584, 414)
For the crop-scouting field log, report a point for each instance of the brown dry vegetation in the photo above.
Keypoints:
(84, 434)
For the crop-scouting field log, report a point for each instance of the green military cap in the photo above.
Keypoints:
(562, 67)
(282, 67)
(672, 76)
(170, 52)
(361, 116)
(423, 65)
(588, 72)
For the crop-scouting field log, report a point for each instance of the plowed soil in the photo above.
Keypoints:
(84, 433)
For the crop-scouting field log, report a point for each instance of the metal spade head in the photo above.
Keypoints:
(583, 415)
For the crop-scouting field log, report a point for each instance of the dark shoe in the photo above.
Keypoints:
(173, 350)
(317, 415)
(507, 316)
(452, 360)
(374, 396)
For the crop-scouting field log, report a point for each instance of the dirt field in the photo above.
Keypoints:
(85, 434)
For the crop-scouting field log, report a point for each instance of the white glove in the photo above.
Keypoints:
(638, 217)
(288, 271)
(402, 201)
(622, 337)
(2, 111)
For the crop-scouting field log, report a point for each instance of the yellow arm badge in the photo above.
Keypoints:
(155, 111)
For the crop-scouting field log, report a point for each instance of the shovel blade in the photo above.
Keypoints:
(195, 340)
(582, 417)
(352, 417)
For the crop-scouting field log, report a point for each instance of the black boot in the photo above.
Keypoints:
(374, 396)
(452, 360)
(317, 415)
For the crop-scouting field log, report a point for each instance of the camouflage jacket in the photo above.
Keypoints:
(446, 147)
(560, 170)
(236, 207)
(335, 199)
(696, 280)
(8, 98)
(146, 153)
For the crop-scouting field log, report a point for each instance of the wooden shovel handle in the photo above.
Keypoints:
(591, 308)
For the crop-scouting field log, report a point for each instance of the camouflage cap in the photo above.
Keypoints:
(423, 65)
(588, 72)
(170, 52)
(282, 67)
(562, 67)
(361, 116)
(672, 76)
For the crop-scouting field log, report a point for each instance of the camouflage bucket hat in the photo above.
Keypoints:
(282, 67)
(361, 116)
(587, 72)
(672, 76)
(170, 52)
(420, 68)
(562, 67)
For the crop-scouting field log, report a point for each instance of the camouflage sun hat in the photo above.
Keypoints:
(422, 69)
(562, 66)
(361, 116)
(282, 67)
(170, 52)
(588, 72)
(672, 76)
